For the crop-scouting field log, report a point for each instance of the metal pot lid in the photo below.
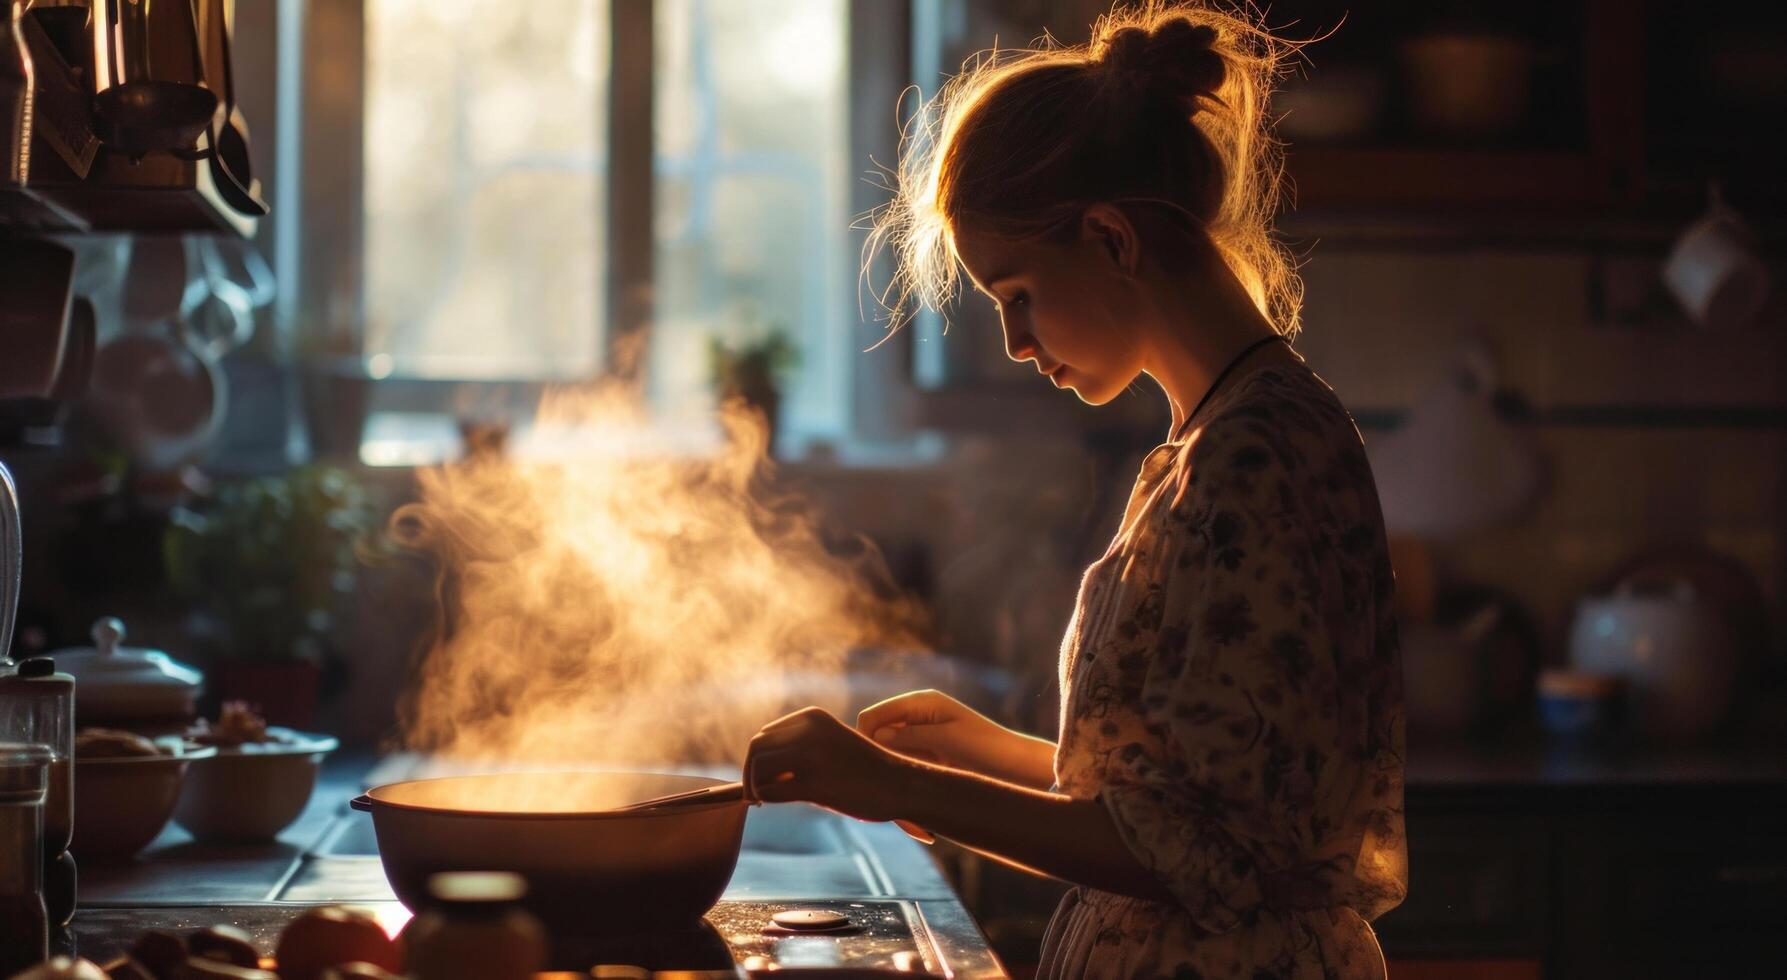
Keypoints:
(108, 666)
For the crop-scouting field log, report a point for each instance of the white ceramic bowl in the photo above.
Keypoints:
(252, 792)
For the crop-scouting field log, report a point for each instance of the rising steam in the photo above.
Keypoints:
(630, 607)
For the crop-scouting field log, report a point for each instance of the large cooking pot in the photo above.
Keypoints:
(590, 870)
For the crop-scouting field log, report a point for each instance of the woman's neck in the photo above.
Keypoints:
(1199, 330)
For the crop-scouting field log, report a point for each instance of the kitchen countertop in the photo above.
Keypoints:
(1527, 769)
(326, 856)
(802, 854)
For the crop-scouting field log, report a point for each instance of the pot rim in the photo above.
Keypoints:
(369, 803)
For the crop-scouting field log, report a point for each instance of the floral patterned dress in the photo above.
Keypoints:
(1232, 693)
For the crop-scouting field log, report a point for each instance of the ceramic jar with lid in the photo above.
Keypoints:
(128, 687)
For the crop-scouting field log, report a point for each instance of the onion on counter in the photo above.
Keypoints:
(332, 936)
(223, 944)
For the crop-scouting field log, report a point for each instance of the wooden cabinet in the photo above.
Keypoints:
(1570, 135)
(1631, 109)
(1478, 885)
(1586, 881)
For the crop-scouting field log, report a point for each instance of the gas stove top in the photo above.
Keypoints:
(758, 936)
(898, 912)
(736, 938)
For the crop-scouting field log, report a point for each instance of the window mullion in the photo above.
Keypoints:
(630, 193)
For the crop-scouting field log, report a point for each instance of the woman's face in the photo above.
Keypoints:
(1066, 307)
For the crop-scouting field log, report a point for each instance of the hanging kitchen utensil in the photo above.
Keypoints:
(148, 68)
(159, 395)
(1713, 270)
(36, 278)
(12, 561)
(17, 97)
(236, 260)
(231, 169)
(158, 281)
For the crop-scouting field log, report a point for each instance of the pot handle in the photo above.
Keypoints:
(916, 832)
(362, 803)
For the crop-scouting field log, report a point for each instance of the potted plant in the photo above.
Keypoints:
(268, 562)
(753, 370)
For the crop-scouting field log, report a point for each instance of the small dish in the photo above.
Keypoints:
(251, 792)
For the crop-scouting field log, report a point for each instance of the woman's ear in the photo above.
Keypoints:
(1108, 227)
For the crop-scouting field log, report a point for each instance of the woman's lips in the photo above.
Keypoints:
(1054, 374)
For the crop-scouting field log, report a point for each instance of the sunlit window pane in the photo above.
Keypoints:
(485, 203)
(752, 211)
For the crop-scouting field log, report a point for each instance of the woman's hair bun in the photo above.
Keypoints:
(1177, 57)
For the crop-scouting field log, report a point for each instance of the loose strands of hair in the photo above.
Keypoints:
(1146, 56)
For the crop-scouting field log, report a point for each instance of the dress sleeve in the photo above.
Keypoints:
(1242, 767)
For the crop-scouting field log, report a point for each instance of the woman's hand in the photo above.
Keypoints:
(933, 727)
(812, 757)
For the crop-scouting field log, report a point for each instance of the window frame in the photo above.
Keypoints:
(319, 245)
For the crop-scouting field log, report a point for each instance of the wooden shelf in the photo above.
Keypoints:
(1461, 180)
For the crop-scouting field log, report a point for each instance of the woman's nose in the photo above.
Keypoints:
(1019, 344)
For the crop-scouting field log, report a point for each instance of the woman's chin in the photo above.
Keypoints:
(1089, 390)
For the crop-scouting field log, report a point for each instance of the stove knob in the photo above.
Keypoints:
(810, 920)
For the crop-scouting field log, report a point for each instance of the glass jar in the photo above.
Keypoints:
(475, 930)
(37, 708)
(24, 922)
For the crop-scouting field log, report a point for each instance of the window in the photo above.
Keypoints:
(484, 217)
(752, 205)
(484, 237)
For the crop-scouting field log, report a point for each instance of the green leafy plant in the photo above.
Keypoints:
(271, 559)
(764, 360)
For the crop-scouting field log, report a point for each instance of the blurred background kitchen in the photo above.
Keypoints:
(1539, 245)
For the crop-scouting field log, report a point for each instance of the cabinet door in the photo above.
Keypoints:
(1477, 887)
(1672, 888)
(1701, 899)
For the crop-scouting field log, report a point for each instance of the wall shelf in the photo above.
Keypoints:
(1761, 418)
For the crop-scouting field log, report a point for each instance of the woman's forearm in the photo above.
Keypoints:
(1038, 831)
(1023, 759)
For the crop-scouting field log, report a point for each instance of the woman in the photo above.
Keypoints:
(1226, 792)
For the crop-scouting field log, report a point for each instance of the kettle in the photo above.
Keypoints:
(1677, 652)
